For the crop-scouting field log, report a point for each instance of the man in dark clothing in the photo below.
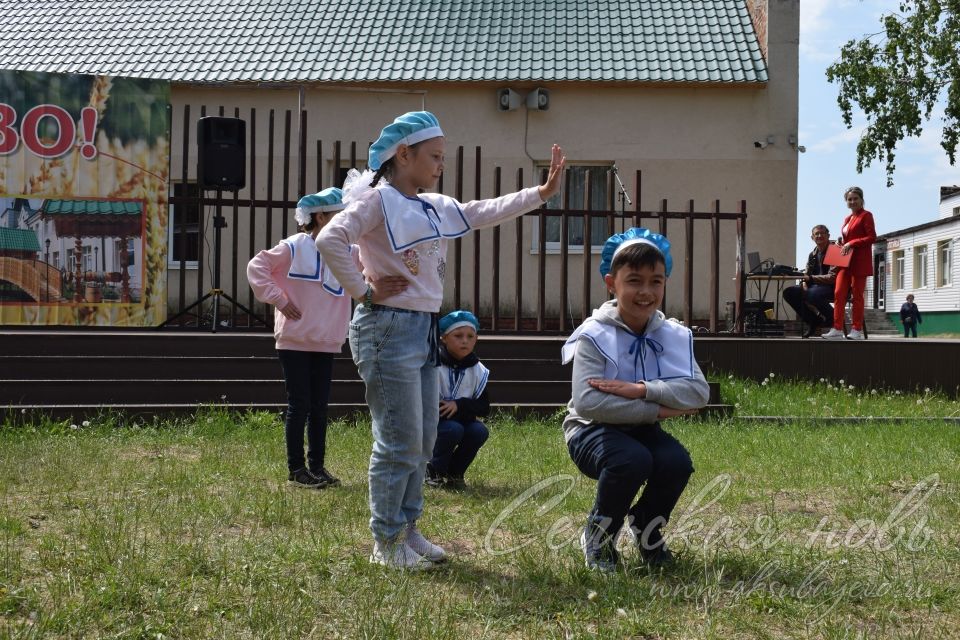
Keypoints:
(910, 317)
(811, 299)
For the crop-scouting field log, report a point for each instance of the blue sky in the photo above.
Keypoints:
(829, 165)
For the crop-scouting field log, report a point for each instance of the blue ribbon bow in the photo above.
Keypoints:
(639, 351)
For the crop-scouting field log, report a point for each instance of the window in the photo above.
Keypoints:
(920, 267)
(944, 263)
(88, 258)
(341, 176)
(184, 225)
(56, 260)
(131, 255)
(956, 211)
(599, 202)
(899, 267)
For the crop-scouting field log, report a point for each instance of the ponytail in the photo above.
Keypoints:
(383, 172)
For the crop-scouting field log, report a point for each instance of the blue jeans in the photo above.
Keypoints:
(307, 375)
(392, 352)
(457, 446)
(621, 459)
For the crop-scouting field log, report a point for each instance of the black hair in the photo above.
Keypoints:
(386, 169)
(310, 226)
(820, 226)
(637, 255)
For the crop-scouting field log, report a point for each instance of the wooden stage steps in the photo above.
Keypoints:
(74, 374)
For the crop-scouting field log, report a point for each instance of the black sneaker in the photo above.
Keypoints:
(330, 479)
(434, 478)
(599, 548)
(303, 478)
(658, 557)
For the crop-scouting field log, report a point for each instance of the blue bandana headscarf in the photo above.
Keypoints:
(457, 319)
(410, 128)
(635, 235)
(330, 199)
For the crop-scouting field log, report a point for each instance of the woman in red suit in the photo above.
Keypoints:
(856, 235)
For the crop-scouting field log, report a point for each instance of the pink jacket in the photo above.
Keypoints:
(325, 317)
(362, 223)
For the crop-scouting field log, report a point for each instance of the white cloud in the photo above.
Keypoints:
(845, 139)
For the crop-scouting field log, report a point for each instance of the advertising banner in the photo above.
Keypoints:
(84, 164)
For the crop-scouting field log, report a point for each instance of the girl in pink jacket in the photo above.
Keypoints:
(310, 324)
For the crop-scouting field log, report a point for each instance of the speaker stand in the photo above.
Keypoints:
(219, 222)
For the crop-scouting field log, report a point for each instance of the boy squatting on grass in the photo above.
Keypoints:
(463, 399)
(631, 368)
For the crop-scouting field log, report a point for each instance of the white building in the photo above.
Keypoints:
(922, 260)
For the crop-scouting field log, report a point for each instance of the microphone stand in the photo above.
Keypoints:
(621, 193)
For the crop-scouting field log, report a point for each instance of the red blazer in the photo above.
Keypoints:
(860, 235)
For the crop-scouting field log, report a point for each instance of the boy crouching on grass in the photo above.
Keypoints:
(631, 368)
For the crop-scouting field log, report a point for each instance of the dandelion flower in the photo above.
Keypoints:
(823, 379)
(85, 423)
(850, 387)
(593, 595)
(926, 389)
(771, 374)
(73, 426)
(873, 392)
(841, 382)
(919, 400)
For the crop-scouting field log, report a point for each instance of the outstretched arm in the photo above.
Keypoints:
(489, 213)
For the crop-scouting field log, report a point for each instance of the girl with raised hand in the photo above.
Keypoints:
(394, 335)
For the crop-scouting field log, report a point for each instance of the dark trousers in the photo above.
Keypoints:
(818, 296)
(909, 327)
(621, 459)
(457, 445)
(307, 375)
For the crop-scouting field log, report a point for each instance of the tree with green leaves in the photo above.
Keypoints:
(900, 76)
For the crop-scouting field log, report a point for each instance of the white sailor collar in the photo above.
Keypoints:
(412, 220)
(663, 354)
(307, 264)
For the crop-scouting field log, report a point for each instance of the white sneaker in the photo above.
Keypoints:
(424, 547)
(833, 334)
(855, 334)
(398, 555)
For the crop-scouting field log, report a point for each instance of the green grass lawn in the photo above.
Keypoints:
(187, 529)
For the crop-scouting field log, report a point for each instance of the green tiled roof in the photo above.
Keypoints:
(83, 207)
(373, 41)
(18, 239)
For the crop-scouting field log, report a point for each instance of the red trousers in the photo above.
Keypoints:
(855, 285)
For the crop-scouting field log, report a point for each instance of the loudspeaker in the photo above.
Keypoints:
(538, 100)
(508, 100)
(221, 153)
